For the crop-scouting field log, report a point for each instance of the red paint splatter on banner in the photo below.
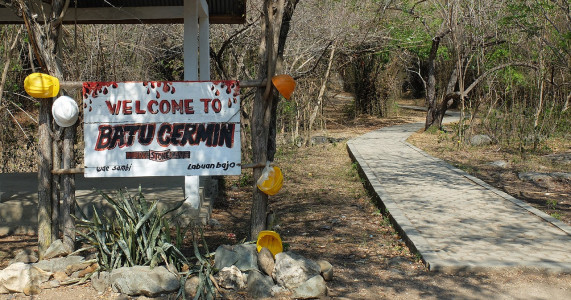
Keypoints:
(94, 88)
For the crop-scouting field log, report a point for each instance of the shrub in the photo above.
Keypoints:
(139, 233)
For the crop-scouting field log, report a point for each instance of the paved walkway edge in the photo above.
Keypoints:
(555, 222)
(417, 243)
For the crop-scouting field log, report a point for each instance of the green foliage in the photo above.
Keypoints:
(203, 266)
(139, 233)
(556, 216)
(245, 180)
(551, 204)
(434, 129)
(353, 172)
(513, 126)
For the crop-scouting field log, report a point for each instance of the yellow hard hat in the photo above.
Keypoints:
(271, 240)
(273, 183)
(40, 85)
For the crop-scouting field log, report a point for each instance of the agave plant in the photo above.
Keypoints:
(138, 233)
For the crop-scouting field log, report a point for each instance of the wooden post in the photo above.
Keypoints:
(56, 154)
(68, 189)
(262, 110)
(45, 165)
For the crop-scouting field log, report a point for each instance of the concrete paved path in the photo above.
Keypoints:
(456, 221)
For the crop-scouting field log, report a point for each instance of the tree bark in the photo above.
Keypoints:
(44, 39)
(68, 189)
(432, 114)
(56, 154)
(8, 53)
(275, 26)
(431, 85)
(260, 126)
(313, 115)
(452, 96)
(44, 177)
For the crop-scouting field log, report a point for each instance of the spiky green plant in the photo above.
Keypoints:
(138, 233)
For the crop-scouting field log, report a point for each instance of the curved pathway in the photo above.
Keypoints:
(455, 221)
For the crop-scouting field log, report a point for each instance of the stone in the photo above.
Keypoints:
(56, 249)
(318, 140)
(26, 256)
(70, 269)
(561, 175)
(60, 276)
(500, 164)
(231, 278)
(259, 285)
(563, 158)
(280, 292)
(266, 261)
(326, 270)
(291, 270)
(100, 281)
(191, 286)
(21, 278)
(534, 176)
(542, 178)
(397, 272)
(88, 270)
(314, 287)
(142, 280)
(58, 264)
(214, 223)
(52, 284)
(480, 140)
(242, 256)
(397, 261)
(31, 289)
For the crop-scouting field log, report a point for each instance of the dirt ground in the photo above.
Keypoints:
(324, 212)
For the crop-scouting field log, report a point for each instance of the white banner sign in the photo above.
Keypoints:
(161, 128)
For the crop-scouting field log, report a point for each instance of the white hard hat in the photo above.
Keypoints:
(65, 111)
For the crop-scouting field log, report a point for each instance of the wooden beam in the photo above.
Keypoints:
(68, 171)
(125, 15)
(243, 84)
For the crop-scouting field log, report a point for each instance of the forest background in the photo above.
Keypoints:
(505, 64)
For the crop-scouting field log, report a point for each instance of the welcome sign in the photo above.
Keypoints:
(161, 128)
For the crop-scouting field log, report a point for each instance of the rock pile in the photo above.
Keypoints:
(288, 276)
(29, 276)
(241, 269)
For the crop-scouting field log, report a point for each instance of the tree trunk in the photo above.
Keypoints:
(56, 154)
(432, 113)
(44, 39)
(456, 96)
(321, 91)
(68, 189)
(275, 26)
(260, 126)
(44, 177)
(8, 52)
